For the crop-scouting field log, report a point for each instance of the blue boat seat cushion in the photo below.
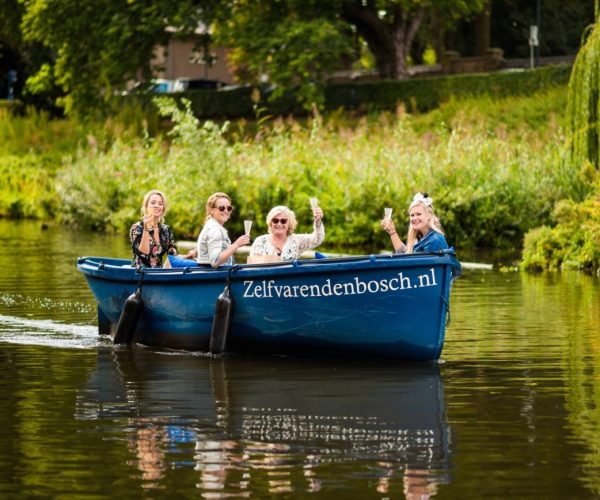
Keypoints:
(180, 262)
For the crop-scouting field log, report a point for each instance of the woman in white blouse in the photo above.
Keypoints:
(214, 246)
(281, 242)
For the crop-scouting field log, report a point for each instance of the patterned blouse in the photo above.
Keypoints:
(158, 249)
(212, 241)
(294, 245)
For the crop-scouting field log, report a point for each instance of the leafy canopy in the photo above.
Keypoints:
(100, 44)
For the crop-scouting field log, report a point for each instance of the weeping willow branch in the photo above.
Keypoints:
(584, 101)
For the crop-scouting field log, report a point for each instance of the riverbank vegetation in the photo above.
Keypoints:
(572, 239)
(493, 166)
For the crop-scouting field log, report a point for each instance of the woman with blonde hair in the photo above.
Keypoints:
(425, 233)
(151, 239)
(214, 246)
(281, 243)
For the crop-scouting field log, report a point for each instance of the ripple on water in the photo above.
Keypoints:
(19, 330)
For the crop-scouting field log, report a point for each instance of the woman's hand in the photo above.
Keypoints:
(317, 214)
(192, 254)
(388, 226)
(149, 221)
(244, 239)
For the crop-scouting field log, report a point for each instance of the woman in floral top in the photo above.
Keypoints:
(281, 240)
(151, 239)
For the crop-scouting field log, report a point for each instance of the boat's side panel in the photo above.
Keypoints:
(389, 312)
(391, 308)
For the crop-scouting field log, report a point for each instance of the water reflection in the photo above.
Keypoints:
(274, 427)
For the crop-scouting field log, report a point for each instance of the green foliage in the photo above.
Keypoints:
(574, 239)
(37, 132)
(27, 188)
(584, 102)
(294, 44)
(513, 179)
(502, 116)
(98, 47)
(495, 168)
(574, 242)
(99, 189)
(423, 94)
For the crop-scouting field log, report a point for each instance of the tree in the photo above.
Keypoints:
(293, 44)
(100, 44)
(299, 42)
(584, 101)
(389, 27)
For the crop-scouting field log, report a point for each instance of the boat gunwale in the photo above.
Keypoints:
(101, 267)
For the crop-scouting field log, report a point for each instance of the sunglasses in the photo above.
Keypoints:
(275, 220)
(222, 208)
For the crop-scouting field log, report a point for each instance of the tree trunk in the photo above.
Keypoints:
(438, 33)
(389, 43)
(374, 32)
(404, 32)
(482, 30)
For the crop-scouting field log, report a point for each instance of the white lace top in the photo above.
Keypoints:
(294, 245)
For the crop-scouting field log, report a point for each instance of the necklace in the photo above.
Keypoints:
(278, 247)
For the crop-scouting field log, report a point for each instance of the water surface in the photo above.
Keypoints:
(511, 411)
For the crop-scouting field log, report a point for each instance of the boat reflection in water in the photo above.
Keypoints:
(251, 427)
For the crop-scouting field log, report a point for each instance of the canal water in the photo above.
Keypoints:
(512, 410)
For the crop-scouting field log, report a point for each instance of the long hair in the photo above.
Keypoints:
(434, 223)
(210, 203)
(291, 217)
(147, 199)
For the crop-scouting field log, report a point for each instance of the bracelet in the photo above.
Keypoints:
(391, 234)
(148, 229)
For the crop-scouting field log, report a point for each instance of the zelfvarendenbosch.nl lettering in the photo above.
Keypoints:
(267, 289)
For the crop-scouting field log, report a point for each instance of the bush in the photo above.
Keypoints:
(27, 188)
(574, 242)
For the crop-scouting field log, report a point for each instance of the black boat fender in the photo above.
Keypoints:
(130, 315)
(222, 319)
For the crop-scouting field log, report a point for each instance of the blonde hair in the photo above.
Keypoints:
(210, 203)
(147, 200)
(291, 217)
(434, 223)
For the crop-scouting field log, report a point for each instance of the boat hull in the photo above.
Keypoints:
(382, 306)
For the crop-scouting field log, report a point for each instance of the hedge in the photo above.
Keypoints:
(417, 94)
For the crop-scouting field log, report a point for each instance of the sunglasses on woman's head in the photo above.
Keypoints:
(222, 208)
(277, 221)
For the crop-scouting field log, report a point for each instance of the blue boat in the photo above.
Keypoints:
(384, 306)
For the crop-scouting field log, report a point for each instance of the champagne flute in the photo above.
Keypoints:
(247, 226)
(387, 213)
(314, 203)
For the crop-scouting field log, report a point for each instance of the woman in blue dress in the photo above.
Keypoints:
(425, 233)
